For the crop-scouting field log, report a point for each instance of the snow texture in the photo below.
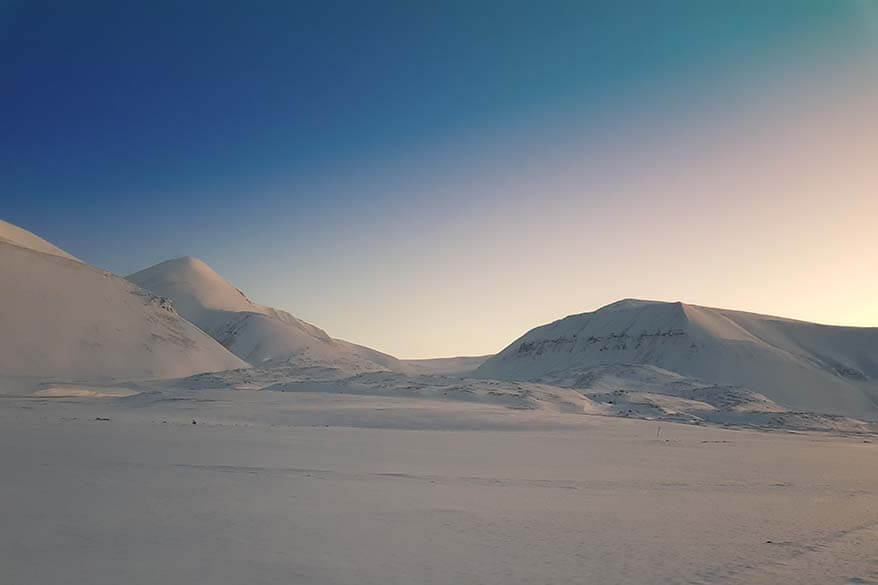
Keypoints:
(321, 487)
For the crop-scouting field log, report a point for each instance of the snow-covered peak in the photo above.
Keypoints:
(628, 304)
(259, 334)
(193, 285)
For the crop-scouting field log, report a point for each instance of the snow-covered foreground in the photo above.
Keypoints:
(319, 487)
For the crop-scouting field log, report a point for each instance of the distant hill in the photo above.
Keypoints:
(263, 336)
(451, 366)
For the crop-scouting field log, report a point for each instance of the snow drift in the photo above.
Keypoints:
(263, 336)
(64, 318)
(797, 364)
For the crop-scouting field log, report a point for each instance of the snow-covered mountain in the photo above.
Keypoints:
(12, 234)
(797, 364)
(63, 318)
(263, 336)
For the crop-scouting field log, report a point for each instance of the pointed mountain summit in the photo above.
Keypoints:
(64, 318)
(798, 364)
(261, 335)
(206, 299)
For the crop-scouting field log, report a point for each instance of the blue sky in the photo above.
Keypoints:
(382, 167)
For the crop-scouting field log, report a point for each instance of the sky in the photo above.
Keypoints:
(435, 178)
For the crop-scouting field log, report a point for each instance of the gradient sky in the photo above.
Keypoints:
(434, 178)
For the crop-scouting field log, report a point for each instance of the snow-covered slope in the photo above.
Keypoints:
(12, 234)
(797, 364)
(261, 335)
(452, 366)
(63, 318)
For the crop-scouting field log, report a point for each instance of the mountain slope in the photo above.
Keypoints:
(452, 366)
(263, 336)
(797, 364)
(12, 234)
(63, 318)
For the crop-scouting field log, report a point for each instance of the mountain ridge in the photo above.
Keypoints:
(799, 364)
(18, 236)
(261, 335)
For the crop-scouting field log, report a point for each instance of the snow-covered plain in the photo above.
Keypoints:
(329, 488)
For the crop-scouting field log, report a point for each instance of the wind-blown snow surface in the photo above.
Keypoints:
(64, 318)
(798, 365)
(320, 487)
(263, 336)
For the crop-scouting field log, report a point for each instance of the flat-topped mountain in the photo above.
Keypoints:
(798, 364)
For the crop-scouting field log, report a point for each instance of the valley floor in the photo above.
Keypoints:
(280, 487)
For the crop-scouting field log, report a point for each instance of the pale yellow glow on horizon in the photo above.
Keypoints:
(765, 201)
